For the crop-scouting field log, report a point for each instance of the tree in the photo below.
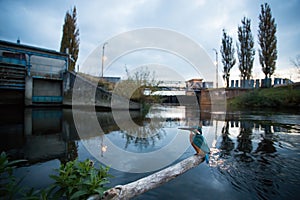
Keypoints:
(70, 38)
(296, 63)
(228, 59)
(267, 41)
(245, 49)
(133, 88)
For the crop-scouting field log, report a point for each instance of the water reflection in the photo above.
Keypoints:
(226, 144)
(257, 154)
(251, 162)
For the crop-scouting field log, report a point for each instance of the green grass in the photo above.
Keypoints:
(267, 97)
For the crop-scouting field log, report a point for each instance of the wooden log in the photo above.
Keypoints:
(142, 185)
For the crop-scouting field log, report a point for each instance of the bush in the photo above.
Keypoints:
(75, 180)
(272, 97)
(9, 185)
(78, 180)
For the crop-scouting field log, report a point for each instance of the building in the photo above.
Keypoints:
(194, 84)
(31, 75)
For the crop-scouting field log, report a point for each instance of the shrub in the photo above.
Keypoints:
(9, 185)
(75, 180)
(78, 180)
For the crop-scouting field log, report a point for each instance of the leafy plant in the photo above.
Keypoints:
(9, 185)
(78, 180)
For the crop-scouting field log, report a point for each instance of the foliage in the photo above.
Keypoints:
(75, 180)
(228, 59)
(70, 37)
(267, 41)
(9, 185)
(268, 97)
(133, 88)
(78, 180)
(245, 49)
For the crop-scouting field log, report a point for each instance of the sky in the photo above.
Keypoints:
(39, 23)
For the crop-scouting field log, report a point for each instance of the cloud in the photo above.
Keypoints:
(39, 23)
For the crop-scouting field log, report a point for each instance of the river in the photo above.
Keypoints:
(254, 154)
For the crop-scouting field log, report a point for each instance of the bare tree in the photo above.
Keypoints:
(296, 63)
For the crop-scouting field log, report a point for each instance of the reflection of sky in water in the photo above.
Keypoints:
(155, 133)
(142, 145)
(257, 157)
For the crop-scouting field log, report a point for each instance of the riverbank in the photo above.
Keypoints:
(288, 96)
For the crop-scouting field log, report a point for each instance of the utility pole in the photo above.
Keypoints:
(216, 67)
(103, 58)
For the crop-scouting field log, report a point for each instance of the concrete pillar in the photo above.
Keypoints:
(263, 83)
(236, 83)
(232, 84)
(252, 83)
(243, 83)
(257, 83)
(66, 82)
(28, 90)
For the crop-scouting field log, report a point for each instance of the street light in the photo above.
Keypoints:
(216, 67)
(103, 58)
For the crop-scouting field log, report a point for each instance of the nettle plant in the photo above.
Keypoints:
(9, 184)
(78, 180)
(74, 180)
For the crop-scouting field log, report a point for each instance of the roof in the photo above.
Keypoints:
(22, 48)
(195, 79)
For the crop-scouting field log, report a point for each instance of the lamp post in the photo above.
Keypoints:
(103, 58)
(216, 67)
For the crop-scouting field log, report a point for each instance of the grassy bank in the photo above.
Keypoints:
(288, 96)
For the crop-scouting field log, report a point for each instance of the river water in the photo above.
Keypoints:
(254, 154)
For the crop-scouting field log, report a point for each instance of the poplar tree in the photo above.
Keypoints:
(267, 41)
(228, 59)
(70, 38)
(245, 49)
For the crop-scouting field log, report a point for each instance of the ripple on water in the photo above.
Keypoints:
(263, 175)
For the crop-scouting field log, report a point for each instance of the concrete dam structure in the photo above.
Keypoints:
(34, 76)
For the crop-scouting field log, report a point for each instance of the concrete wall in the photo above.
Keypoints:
(47, 87)
(88, 93)
(219, 95)
(43, 91)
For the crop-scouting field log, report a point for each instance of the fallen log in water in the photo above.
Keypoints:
(142, 185)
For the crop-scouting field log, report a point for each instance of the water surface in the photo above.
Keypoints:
(254, 154)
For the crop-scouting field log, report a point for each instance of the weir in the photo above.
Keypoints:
(33, 76)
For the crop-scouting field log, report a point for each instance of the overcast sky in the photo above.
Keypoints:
(39, 23)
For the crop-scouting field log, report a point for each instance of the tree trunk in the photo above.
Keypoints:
(227, 82)
(142, 185)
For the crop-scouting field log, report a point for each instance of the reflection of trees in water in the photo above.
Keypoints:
(227, 144)
(146, 134)
(244, 146)
(267, 165)
(257, 172)
(266, 145)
